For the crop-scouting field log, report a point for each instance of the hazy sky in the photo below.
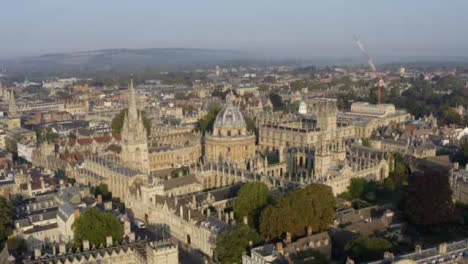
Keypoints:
(308, 28)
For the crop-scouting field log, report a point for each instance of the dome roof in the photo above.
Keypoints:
(230, 116)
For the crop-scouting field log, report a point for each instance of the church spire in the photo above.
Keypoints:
(132, 108)
(12, 109)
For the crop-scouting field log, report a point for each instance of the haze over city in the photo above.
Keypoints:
(301, 29)
(233, 132)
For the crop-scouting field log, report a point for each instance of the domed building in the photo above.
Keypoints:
(230, 140)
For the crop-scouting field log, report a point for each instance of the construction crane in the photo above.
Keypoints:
(371, 64)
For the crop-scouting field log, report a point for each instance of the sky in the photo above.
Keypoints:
(277, 28)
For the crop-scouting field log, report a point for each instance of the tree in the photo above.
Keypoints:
(46, 134)
(364, 248)
(357, 187)
(312, 206)
(276, 101)
(251, 200)
(462, 155)
(399, 175)
(118, 120)
(102, 190)
(94, 226)
(232, 243)
(188, 108)
(180, 96)
(206, 123)
(428, 200)
(250, 123)
(6, 219)
(366, 143)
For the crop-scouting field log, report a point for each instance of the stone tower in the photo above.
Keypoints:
(134, 139)
(12, 109)
(326, 113)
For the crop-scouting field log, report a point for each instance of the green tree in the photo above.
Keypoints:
(206, 123)
(364, 248)
(297, 85)
(251, 200)
(462, 155)
(250, 124)
(357, 187)
(312, 206)
(400, 173)
(6, 219)
(180, 96)
(46, 134)
(187, 109)
(103, 190)
(94, 226)
(118, 120)
(232, 243)
(276, 101)
(428, 200)
(366, 143)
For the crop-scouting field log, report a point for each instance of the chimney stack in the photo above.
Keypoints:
(288, 238)
(389, 256)
(108, 241)
(417, 249)
(443, 248)
(85, 245)
(37, 253)
(76, 213)
(279, 248)
(131, 237)
(62, 249)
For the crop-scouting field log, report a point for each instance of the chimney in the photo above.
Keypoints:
(99, 198)
(417, 249)
(62, 249)
(245, 220)
(442, 248)
(389, 256)
(309, 230)
(85, 245)
(279, 248)
(108, 241)
(76, 213)
(131, 237)
(288, 238)
(37, 253)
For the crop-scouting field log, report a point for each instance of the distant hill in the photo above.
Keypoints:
(124, 60)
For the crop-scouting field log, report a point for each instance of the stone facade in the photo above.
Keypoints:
(134, 139)
(230, 140)
(131, 252)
